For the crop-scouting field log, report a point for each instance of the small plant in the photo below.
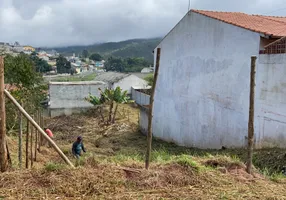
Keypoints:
(186, 161)
(51, 167)
(109, 97)
(150, 79)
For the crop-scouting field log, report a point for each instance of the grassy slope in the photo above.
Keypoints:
(129, 48)
(113, 167)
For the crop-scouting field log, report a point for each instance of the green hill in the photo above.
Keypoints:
(124, 49)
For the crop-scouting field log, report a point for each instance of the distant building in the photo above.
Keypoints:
(29, 48)
(99, 64)
(124, 81)
(75, 65)
(147, 70)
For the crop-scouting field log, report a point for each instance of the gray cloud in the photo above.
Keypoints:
(73, 22)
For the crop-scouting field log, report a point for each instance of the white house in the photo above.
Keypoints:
(146, 70)
(202, 93)
(124, 81)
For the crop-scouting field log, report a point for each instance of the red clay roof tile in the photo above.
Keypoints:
(269, 25)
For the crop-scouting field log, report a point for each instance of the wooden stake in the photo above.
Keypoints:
(20, 140)
(27, 144)
(31, 142)
(8, 154)
(251, 114)
(150, 117)
(41, 131)
(3, 149)
(36, 136)
(40, 123)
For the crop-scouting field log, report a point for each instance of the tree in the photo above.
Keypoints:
(85, 53)
(63, 65)
(126, 65)
(115, 64)
(20, 73)
(73, 71)
(41, 65)
(150, 79)
(95, 57)
(109, 97)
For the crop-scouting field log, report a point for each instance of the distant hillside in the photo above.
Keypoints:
(128, 48)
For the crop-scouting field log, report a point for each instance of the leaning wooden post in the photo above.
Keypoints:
(41, 131)
(150, 117)
(3, 149)
(27, 144)
(20, 140)
(251, 114)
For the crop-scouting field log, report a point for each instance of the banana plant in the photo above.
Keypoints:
(109, 97)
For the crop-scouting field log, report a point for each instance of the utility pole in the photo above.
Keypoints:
(251, 114)
(3, 149)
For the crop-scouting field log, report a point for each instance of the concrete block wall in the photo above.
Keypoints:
(68, 97)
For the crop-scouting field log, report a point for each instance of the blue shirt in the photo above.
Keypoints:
(77, 147)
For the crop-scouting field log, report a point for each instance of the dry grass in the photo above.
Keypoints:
(113, 167)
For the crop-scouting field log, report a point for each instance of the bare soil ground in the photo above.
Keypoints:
(113, 167)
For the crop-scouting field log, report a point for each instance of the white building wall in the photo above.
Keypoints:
(130, 81)
(143, 121)
(67, 97)
(202, 93)
(270, 109)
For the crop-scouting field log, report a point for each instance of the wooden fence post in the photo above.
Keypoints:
(36, 136)
(251, 114)
(31, 142)
(41, 131)
(20, 140)
(3, 148)
(149, 135)
(27, 144)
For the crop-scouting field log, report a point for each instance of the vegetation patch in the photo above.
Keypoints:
(51, 166)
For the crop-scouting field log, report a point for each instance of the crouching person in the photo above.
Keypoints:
(77, 147)
(50, 134)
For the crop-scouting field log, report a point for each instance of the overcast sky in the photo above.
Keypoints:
(73, 22)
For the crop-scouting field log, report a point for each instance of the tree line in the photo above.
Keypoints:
(125, 64)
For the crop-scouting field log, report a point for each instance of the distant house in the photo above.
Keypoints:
(28, 49)
(202, 93)
(44, 57)
(75, 65)
(146, 70)
(124, 81)
(99, 64)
